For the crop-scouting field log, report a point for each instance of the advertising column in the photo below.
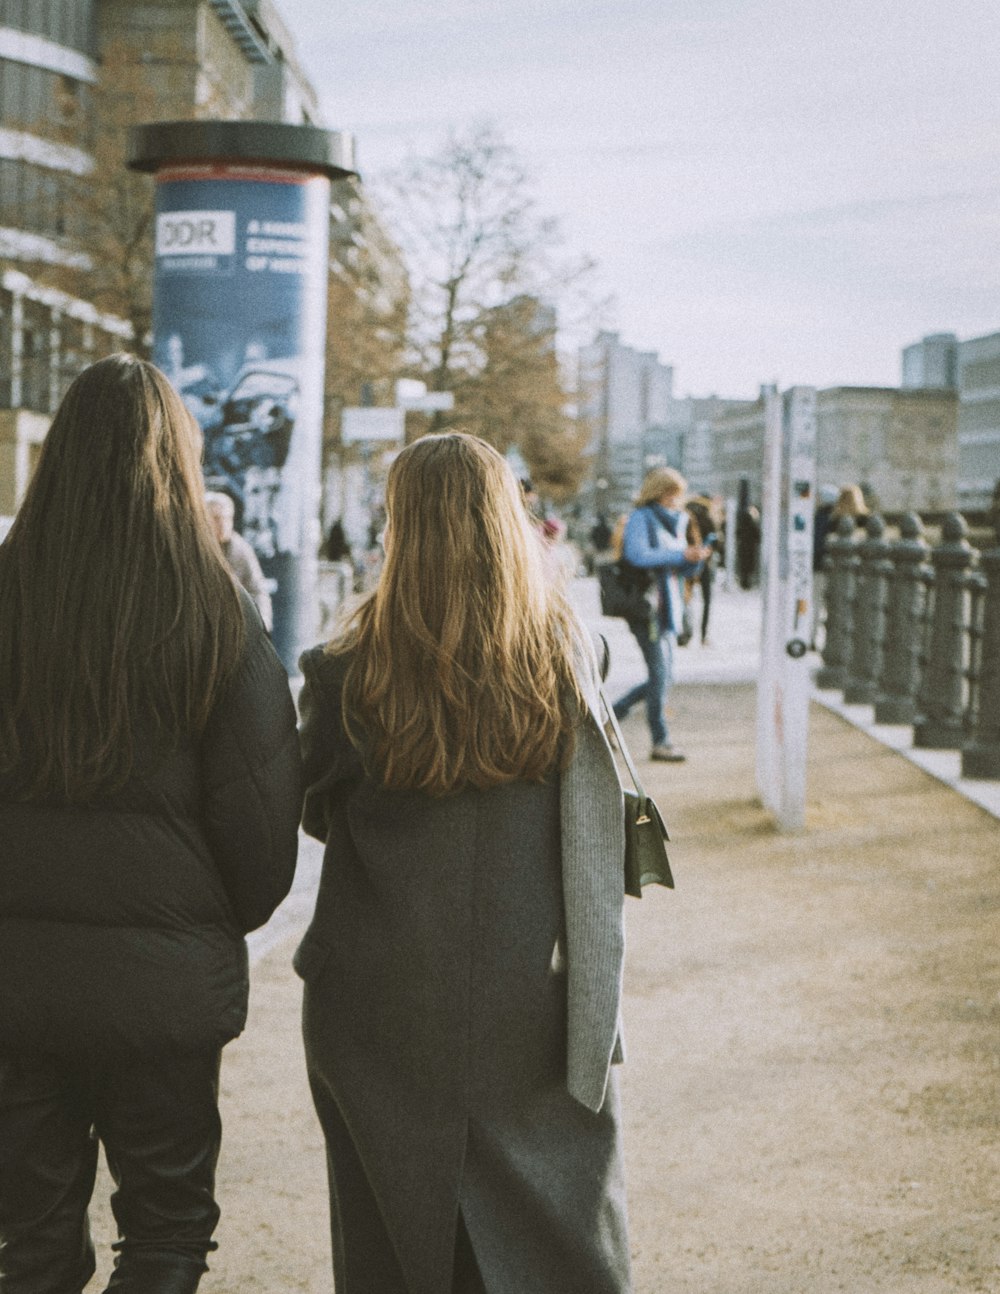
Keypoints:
(239, 326)
(786, 587)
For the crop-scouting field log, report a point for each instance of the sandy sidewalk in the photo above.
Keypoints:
(811, 1093)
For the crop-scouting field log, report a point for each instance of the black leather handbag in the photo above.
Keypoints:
(623, 590)
(646, 861)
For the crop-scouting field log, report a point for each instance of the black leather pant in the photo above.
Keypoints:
(158, 1120)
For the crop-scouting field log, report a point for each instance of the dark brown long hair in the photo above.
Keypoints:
(115, 604)
(462, 670)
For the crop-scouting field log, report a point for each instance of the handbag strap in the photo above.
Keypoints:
(616, 729)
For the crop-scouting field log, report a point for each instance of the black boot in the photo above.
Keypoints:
(147, 1275)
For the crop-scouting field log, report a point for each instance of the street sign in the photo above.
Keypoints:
(414, 397)
(364, 424)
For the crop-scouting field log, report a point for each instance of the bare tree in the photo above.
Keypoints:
(489, 273)
(367, 305)
(519, 395)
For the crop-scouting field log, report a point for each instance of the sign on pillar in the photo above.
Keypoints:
(783, 687)
(239, 326)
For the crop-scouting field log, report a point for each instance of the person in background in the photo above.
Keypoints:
(850, 503)
(747, 545)
(708, 517)
(336, 548)
(600, 534)
(462, 968)
(655, 540)
(149, 800)
(239, 554)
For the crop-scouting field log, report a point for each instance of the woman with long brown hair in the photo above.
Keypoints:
(463, 966)
(149, 795)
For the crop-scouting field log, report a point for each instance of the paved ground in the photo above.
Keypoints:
(812, 1021)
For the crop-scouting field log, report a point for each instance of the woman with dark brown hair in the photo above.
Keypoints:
(463, 966)
(149, 791)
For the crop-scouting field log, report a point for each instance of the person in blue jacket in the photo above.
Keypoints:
(655, 540)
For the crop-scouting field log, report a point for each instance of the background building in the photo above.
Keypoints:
(978, 421)
(625, 397)
(932, 362)
(737, 450)
(75, 229)
(901, 445)
(696, 418)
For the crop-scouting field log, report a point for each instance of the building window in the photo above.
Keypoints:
(66, 22)
(36, 357)
(6, 346)
(73, 354)
(32, 198)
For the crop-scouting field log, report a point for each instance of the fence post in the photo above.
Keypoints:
(868, 620)
(940, 723)
(841, 564)
(906, 609)
(981, 758)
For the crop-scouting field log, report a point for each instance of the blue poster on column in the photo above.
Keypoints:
(239, 325)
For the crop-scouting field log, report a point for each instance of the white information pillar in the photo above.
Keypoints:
(788, 504)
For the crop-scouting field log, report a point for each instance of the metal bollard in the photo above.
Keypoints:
(941, 722)
(868, 619)
(981, 758)
(841, 564)
(906, 609)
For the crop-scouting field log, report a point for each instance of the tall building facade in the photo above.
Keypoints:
(737, 451)
(900, 445)
(625, 398)
(47, 71)
(978, 421)
(702, 456)
(931, 362)
(74, 75)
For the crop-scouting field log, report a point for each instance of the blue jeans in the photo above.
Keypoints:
(658, 653)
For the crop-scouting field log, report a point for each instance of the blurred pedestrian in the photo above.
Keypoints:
(598, 542)
(336, 548)
(850, 503)
(560, 557)
(600, 534)
(708, 517)
(655, 541)
(149, 787)
(239, 554)
(747, 545)
(463, 964)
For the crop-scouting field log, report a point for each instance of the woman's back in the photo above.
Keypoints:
(149, 793)
(443, 913)
(463, 963)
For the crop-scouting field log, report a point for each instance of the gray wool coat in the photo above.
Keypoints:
(463, 977)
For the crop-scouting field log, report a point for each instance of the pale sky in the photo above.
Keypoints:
(785, 190)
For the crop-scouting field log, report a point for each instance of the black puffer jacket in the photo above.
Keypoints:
(122, 922)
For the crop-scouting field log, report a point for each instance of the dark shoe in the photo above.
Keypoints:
(667, 755)
(148, 1275)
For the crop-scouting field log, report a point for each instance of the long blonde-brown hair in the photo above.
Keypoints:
(462, 660)
(116, 606)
